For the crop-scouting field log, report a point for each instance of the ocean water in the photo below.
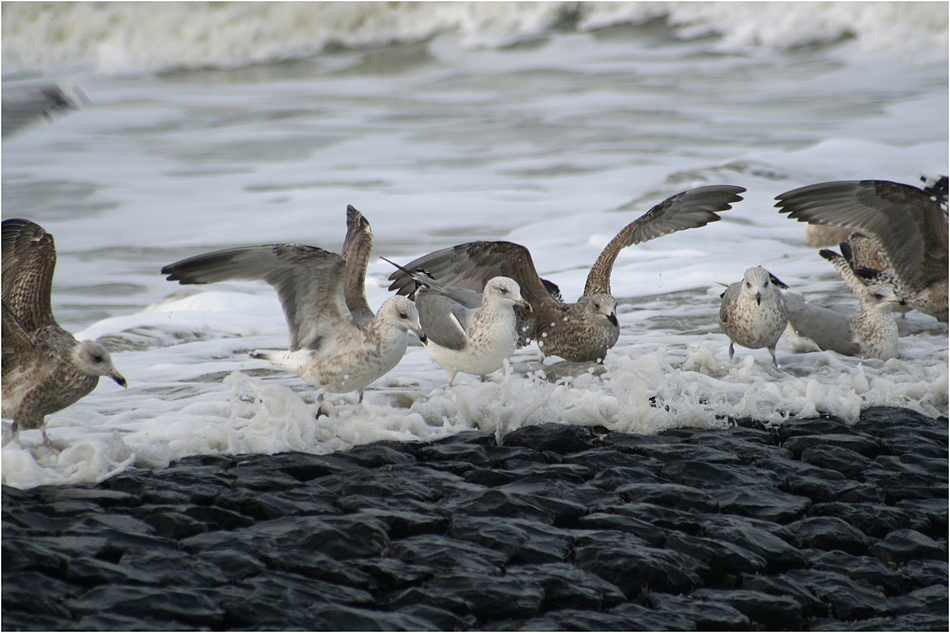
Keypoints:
(207, 126)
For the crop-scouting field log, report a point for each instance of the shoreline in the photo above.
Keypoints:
(813, 524)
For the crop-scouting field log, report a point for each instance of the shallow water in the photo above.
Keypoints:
(550, 132)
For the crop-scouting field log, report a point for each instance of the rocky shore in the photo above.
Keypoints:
(814, 525)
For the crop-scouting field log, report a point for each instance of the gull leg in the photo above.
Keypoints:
(732, 351)
(47, 443)
(320, 406)
(774, 360)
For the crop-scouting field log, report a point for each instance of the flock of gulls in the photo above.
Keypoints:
(474, 304)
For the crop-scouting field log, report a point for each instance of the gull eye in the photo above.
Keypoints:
(403, 315)
(97, 358)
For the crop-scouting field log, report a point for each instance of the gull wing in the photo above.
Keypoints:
(688, 210)
(308, 280)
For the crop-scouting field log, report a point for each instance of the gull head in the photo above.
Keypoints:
(402, 313)
(756, 282)
(598, 306)
(504, 290)
(94, 359)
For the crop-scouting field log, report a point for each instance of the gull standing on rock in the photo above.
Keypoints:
(871, 334)
(337, 344)
(909, 226)
(45, 368)
(753, 312)
(467, 331)
(581, 331)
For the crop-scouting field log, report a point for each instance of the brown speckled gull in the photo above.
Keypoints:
(908, 224)
(581, 331)
(45, 369)
(753, 313)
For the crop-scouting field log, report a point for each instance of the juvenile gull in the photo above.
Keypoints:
(468, 331)
(45, 368)
(581, 331)
(753, 312)
(337, 344)
(908, 224)
(871, 334)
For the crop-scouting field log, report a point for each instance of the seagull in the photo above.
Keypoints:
(581, 331)
(871, 334)
(753, 312)
(24, 104)
(467, 331)
(45, 369)
(907, 224)
(337, 344)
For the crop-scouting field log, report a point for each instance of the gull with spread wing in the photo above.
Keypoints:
(337, 344)
(581, 331)
(45, 368)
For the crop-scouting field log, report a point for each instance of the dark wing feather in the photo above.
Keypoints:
(688, 210)
(23, 105)
(356, 250)
(308, 280)
(472, 265)
(29, 260)
(910, 226)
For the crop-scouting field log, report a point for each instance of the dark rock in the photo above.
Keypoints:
(829, 533)
(263, 506)
(821, 425)
(848, 462)
(641, 529)
(403, 524)
(217, 518)
(235, 565)
(471, 453)
(493, 477)
(760, 502)
(491, 597)
(874, 519)
(677, 496)
(707, 615)
(780, 555)
(864, 569)
(722, 559)
(440, 553)
(439, 619)
(850, 600)
(499, 502)
(902, 545)
(174, 568)
(634, 566)
(661, 517)
(668, 451)
(784, 586)
(568, 587)
(559, 438)
(770, 611)
(935, 510)
(855, 442)
(170, 521)
(718, 476)
(521, 541)
(161, 604)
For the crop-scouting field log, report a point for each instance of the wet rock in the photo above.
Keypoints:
(874, 519)
(761, 502)
(679, 497)
(521, 541)
(461, 533)
(707, 615)
(902, 545)
(829, 533)
(849, 599)
(633, 566)
(864, 569)
(780, 555)
(189, 607)
(568, 587)
(722, 559)
(784, 586)
(769, 611)
(559, 438)
(440, 553)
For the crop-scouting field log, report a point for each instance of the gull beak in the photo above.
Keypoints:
(119, 379)
(612, 317)
(524, 304)
(758, 298)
